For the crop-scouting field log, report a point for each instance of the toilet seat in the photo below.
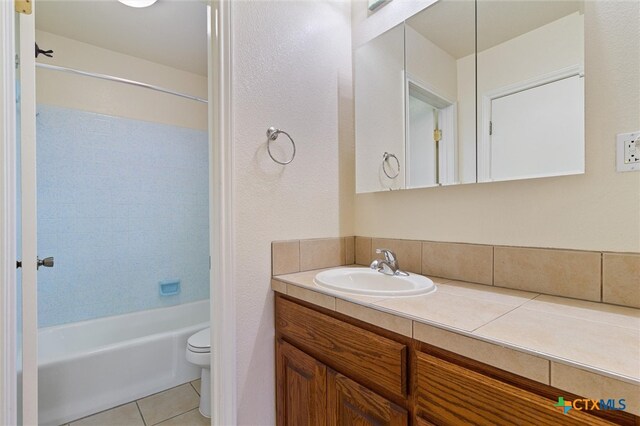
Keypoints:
(200, 342)
(198, 352)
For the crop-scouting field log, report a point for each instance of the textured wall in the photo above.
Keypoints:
(291, 69)
(122, 205)
(597, 211)
(121, 100)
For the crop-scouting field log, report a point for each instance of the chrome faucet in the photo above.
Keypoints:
(389, 265)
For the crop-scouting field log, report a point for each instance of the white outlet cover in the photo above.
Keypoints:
(628, 152)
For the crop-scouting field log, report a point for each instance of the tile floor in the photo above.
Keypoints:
(176, 406)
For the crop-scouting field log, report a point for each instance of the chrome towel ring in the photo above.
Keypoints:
(385, 160)
(272, 135)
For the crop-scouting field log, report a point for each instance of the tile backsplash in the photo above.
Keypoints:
(304, 255)
(567, 273)
(588, 275)
(621, 279)
(464, 262)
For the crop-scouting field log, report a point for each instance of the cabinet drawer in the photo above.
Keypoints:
(375, 361)
(448, 394)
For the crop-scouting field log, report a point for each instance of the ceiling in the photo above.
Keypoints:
(450, 24)
(170, 32)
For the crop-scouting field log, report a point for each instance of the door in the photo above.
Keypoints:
(431, 145)
(28, 254)
(349, 403)
(300, 387)
(527, 125)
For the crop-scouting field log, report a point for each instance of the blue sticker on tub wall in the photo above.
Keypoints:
(122, 204)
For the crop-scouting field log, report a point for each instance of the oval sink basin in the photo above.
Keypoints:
(373, 283)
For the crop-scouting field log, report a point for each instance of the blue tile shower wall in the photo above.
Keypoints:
(122, 205)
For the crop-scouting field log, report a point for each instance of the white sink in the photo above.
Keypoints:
(373, 283)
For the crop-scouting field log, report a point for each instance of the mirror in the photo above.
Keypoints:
(422, 122)
(440, 91)
(379, 99)
(530, 89)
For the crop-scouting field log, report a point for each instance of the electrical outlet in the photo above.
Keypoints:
(628, 152)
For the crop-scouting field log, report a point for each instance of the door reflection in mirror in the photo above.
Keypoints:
(431, 138)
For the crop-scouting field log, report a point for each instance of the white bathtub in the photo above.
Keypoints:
(90, 366)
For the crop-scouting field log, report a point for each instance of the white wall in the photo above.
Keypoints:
(430, 65)
(291, 69)
(595, 211)
(366, 26)
(121, 100)
(466, 119)
(554, 46)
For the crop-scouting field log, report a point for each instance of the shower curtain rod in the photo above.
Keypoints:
(119, 80)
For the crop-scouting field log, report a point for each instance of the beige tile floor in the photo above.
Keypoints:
(176, 406)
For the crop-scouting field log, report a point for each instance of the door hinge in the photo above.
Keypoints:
(437, 135)
(17, 61)
(490, 128)
(23, 6)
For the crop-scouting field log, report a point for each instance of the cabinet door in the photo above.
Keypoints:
(349, 403)
(301, 384)
(448, 394)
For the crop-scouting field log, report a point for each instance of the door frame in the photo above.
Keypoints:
(221, 229)
(223, 395)
(8, 255)
(449, 126)
(484, 139)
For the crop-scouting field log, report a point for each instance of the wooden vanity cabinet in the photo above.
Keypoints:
(334, 370)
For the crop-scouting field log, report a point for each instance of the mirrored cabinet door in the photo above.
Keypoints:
(440, 92)
(471, 91)
(530, 89)
(379, 99)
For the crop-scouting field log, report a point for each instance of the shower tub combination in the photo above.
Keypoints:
(90, 366)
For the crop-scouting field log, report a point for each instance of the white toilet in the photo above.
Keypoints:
(199, 353)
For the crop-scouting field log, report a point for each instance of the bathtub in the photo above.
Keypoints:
(94, 365)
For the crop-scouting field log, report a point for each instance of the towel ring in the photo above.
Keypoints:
(385, 159)
(272, 135)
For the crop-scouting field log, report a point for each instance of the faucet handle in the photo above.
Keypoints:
(389, 255)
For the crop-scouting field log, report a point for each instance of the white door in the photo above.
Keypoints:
(29, 253)
(538, 131)
(421, 151)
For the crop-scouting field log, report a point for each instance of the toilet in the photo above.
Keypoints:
(199, 353)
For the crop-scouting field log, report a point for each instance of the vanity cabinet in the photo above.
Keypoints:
(335, 370)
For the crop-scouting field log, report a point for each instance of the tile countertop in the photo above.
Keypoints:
(540, 336)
